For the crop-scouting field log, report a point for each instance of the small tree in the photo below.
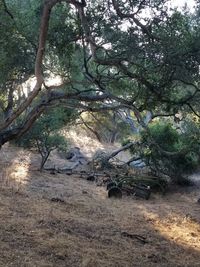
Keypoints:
(44, 134)
(46, 144)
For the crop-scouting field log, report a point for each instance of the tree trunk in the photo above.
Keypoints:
(113, 137)
(44, 159)
(91, 129)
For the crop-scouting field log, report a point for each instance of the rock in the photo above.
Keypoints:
(137, 164)
(75, 155)
(69, 155)
(68, 169)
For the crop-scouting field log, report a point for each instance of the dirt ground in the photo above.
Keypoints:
(88, 229)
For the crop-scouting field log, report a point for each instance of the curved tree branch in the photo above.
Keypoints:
(193, 110)
(38, 64)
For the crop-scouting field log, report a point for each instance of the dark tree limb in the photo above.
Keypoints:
(91, 129)
(7, 10)
(116, 152)
(193, 110)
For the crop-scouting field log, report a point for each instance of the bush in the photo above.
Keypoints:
(170, 152)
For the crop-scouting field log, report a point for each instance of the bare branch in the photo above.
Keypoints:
(144, 28)
(116, 152)
(193, 110)
(163, 115)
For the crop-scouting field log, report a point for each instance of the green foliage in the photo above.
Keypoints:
(164, 135)
(169, 151)
(12, 43)
(147, 63)
(44, 135)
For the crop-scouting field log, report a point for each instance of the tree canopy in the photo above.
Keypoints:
(116, 54)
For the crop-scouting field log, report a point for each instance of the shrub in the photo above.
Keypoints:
(169, 151)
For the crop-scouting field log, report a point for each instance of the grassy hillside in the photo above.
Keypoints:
(88, 229)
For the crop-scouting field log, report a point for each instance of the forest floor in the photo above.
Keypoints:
(87, 229)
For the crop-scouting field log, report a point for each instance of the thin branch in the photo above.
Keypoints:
(192, 109)
(163, 115)
(91, 129)
(145, 28)
(7, 10)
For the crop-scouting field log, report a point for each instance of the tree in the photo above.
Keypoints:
(109, 55)
(44, 134)
(182, 146)
(106, 126)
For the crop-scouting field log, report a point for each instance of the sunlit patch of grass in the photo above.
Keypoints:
(14, 171)
(85, 230)
(183, 230)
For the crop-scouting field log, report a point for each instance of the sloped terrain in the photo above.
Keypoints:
(58, 220)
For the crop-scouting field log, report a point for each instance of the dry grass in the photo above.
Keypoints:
(78, 136)
(86, 230)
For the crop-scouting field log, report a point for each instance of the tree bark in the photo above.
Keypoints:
(38, 65)
(44, 159)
